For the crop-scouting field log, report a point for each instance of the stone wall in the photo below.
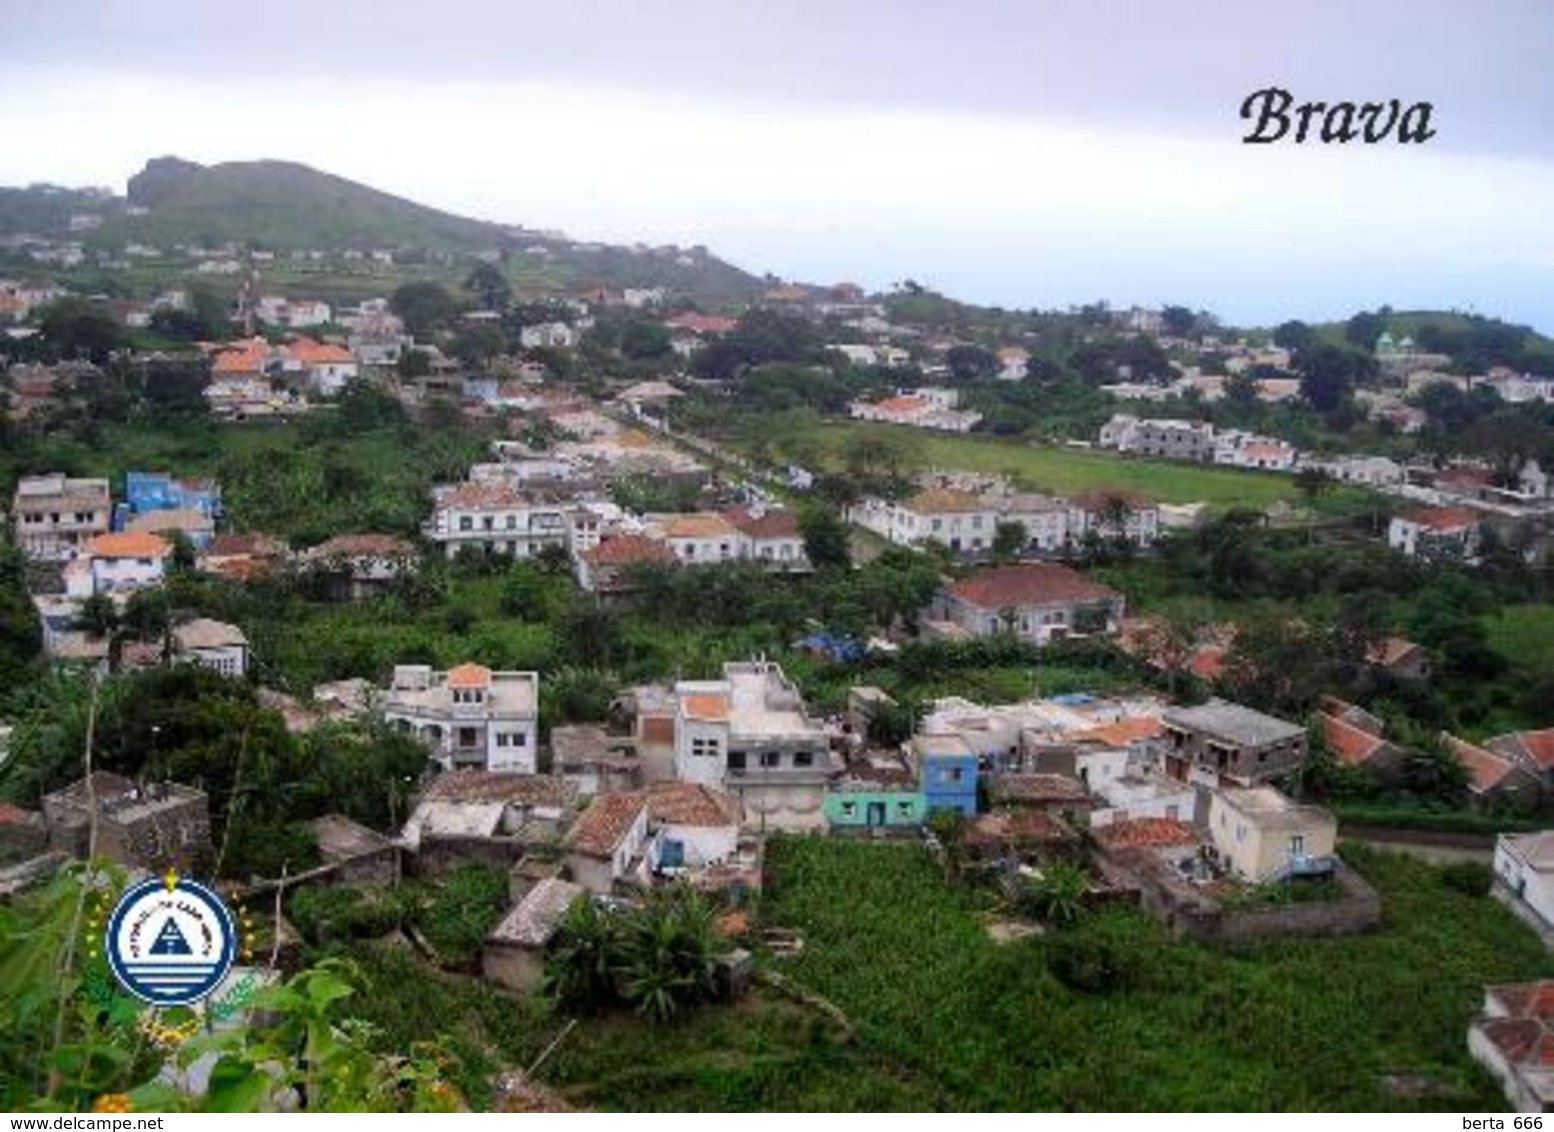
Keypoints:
(1189, 913)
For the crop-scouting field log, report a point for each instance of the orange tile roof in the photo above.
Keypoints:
(944, 499)
(1390, 651)
(774, 523)
(311, 352)
(241, 357)
(469, 676)
(1535, 747)
(902, 404)
(708, 707)
(129, 544)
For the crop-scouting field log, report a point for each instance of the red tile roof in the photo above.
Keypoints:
(1037, 789)
(773, 523)
(311, 352)
(1122, 732)
(1145, 833)
(701, 323)
(364, 546)
(624, 549)
(1033, 583)
(1486, 768)
(1535, 748)
(1442, 518)
(604, 825)
(13, 815)
(1022, 826)
(477, 786)
(1349, 744)
(685, 803)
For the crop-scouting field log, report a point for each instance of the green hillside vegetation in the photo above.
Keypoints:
(281, 205)
(1060, 471)
(284, 206)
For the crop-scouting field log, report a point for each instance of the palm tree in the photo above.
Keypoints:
(1058, 897)
(668, 952)
(580, 967)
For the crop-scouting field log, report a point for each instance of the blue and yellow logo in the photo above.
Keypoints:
(170, 942)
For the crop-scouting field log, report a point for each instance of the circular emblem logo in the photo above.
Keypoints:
(170, 942)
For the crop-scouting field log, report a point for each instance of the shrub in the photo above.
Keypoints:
(327, 915)
(1100, 955)
(1468, 877)
(462, 912)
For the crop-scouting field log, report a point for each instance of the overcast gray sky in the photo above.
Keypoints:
(1035, 153)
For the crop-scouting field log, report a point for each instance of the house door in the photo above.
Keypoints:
(876, 813)
(671, 855)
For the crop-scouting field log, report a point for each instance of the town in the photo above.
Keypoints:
(479, 615)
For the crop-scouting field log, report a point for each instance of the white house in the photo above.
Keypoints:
(213, 644)
(118, 564)
(608, 842)
(958, 519)
(1436, 532)
(549, 335)
(1524, 870)
(469, 715)
(1037, 601)
(693, 826)
(1262, 835)
(497, 517)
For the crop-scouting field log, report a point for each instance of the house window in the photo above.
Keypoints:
(803, 758)
(770, 758)
(502, 740)
(1297, 845)
(466, 523)
(704, 748)
(736, 760)
(467, 737)
(955, 774)
(520, 739)
(849, 809)
(904, 809)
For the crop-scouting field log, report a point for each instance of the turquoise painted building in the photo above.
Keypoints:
(878, 793)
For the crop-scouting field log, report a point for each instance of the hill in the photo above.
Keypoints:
(284, 207)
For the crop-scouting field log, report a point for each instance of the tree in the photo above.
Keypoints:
(477, 343)
(75, 328)
(580, 962)
(489, 286)
(98, 616)
(644, 340)
(424, 306)
(1294, 335)
(1178, 321)
(1435, 773)
(1009, 539)
(668, 952)
(825, 537)
(970, 363)
(949, 828)
(1364, 328)
(414, 363)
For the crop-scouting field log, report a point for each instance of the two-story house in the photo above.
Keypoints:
(497, 518)
(1114, 514)
(1222, 743)
(470, 716)
(1260, 835)
(55, 516)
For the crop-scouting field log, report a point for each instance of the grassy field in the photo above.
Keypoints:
(948, 1019)
(1524, 635)
(1066, 471)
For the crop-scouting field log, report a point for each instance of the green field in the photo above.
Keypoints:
(1067, 471)
(946, 1018)
(1524, 635)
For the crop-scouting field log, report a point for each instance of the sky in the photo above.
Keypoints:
(1027, 154)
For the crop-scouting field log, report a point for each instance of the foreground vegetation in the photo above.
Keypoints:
(947, 1018)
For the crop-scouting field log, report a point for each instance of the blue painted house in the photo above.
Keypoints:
(146, 492)
(947, 770)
